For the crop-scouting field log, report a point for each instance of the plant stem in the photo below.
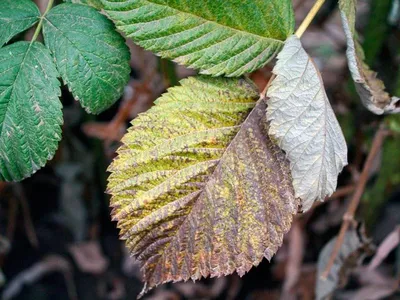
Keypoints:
(307, 21)
(39, 27)
(348, 217)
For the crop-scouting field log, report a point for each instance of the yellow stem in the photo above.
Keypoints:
(307, 21)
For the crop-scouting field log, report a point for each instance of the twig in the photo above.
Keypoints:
(389, 243)
(339, 193)
(342, 192)
(348, 217)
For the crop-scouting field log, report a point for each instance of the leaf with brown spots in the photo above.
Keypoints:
(198, 188)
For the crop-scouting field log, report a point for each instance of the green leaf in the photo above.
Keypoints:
(304, 125)
(30, 110)
(90, 54)
(94, 3)
(369, 87)
(15, 17)
(198, 189)
(218, 37)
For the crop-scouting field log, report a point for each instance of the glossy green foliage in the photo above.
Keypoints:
(92, 58)
(198, 187)
(218, 37)
(30, 110)
(83, 48)
(15, 17)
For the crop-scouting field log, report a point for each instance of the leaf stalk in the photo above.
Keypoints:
(39, 27)
(309, 18)
(302, 28)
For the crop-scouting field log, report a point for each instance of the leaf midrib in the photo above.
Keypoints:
(30, 152)
(272, 40)
(13, 87)
(200, 191)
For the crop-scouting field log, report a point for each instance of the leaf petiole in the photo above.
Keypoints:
(302, 28)
(39, 27)
(307, 21)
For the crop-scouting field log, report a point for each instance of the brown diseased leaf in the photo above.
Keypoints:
(369, 87)
(198, 187)
(354, 249)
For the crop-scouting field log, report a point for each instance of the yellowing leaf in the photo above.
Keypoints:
(304, 125)
(198, 189)
(369, 87)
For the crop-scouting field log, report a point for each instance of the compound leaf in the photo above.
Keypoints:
(15, 17)
(369, 87)
(30, 110)
(92, 58)
(218, 37)
(304, 124)
(198, 189)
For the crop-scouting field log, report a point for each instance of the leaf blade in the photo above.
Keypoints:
(370, 89)
(198, 188)
(30, 110)
(15, 17)
(94, 3)
(213, 36)
(92, 58)
(304, 125)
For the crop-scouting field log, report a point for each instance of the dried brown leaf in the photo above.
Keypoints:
(369, 87)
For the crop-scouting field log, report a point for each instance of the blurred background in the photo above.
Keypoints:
(57, 240)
